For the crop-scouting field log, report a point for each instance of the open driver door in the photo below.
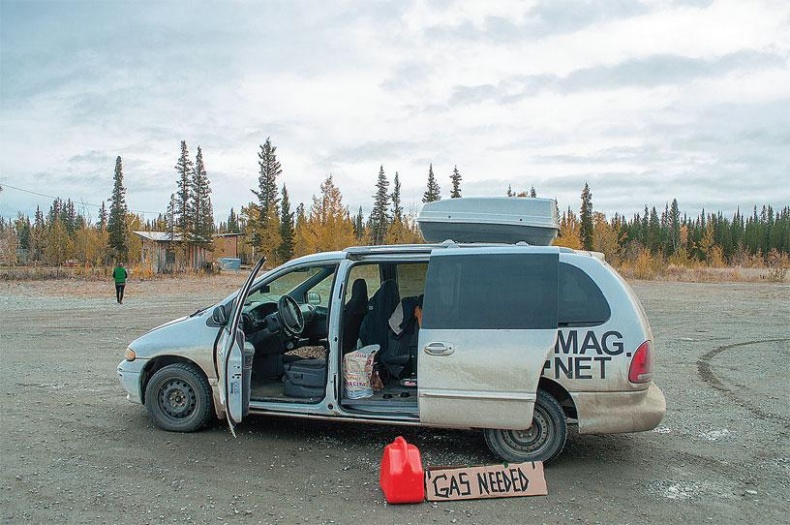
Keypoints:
(229, 352)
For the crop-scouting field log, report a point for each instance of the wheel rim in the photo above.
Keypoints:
(177, 399)
(532, 439)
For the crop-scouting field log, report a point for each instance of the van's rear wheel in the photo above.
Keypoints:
(543, 441)
(178, 398)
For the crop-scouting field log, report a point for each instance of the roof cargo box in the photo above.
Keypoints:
(490, 219)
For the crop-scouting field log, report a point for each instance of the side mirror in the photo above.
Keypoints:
(313, 298)
(219, 315)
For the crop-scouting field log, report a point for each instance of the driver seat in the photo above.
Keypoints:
(305, 378)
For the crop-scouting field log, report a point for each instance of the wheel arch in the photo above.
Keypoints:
(562, 396)
(160, 362)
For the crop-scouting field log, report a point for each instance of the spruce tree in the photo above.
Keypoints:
(55, 210)
(68, 216)
(183, 212)
(37, 235)
(266, 232)
(455, 179)
(286, 249)
(359, 225)
(674, 228)
(170, 216)
(102, 217)
(379, 218)
(397, 209)
(202, 210)
(654, 232)
(118, 239)
(644, 227)
(301, 215)
(233, 222)
(22, 226)
(586, 219)
(432, 191)
(269, 170)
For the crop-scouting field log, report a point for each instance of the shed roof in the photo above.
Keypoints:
(160, 236)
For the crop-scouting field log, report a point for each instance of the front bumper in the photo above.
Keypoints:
(130, 374)
(616, 412)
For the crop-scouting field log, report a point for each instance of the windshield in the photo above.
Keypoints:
(296, 283)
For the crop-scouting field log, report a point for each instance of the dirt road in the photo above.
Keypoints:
(73, 450)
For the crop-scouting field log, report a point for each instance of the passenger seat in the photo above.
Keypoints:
(375, 325)
(354, 312)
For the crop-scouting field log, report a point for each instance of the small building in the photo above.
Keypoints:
(161, 253)
(226, 245)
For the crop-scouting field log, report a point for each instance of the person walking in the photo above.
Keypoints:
(119, 274)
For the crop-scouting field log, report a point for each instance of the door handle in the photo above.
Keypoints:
(439, 349)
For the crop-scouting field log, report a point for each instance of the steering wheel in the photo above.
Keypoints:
(290, 316)
(247, 323)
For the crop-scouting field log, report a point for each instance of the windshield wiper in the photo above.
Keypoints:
(200, 310)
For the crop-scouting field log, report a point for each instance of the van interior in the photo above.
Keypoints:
(382, 306)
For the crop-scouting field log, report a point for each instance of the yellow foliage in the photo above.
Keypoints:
(8, 247)
(605, 238)
(646, 266)
(90, 245)
(328, 227)
(569, 232)
(680, 258)
(716, 257)
(134, 242)
(59, 246)
(403, 232)
(270, 238)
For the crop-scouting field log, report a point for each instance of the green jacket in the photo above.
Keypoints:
(119, 274)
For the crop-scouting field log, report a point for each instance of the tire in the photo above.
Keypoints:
(178, 398)
(543, 441)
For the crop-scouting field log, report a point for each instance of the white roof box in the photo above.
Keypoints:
(490, 219)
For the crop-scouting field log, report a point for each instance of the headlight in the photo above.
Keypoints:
(129, 355)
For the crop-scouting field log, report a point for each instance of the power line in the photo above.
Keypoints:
(5, 185)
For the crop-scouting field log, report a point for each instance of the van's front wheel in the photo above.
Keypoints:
(543, 441)
(178, 398)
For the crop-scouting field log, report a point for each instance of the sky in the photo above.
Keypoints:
(645, 101)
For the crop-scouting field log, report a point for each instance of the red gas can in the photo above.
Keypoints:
(401, 477)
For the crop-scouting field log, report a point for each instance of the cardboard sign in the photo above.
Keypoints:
(491, 481)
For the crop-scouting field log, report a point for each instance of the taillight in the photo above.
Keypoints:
(641, 362)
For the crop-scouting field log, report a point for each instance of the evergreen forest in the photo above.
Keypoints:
(644, 245)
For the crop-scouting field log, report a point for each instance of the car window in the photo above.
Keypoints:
(411, 279)
(582, 302)
(320, 294)
(296, 283)
(504, 291)
(371, 275)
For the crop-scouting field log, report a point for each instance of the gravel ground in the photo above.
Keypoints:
(73, 450)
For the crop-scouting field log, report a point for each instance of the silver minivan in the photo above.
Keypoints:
(518, 341)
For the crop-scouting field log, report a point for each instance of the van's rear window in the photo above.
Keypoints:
(581, 301)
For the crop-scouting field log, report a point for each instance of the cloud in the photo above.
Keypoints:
(666, 69)
(92, 157)
(646, 72)
(371, 151)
